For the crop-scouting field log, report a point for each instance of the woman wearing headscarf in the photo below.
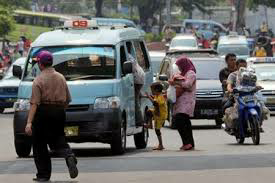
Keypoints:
(185, 83)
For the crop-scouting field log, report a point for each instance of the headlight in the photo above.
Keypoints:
(106, 103)
(22, 105)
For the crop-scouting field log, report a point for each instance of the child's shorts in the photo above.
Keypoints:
(159, 123)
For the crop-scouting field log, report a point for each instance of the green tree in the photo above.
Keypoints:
(190, 5)
(70, 8)
(255, 3)
(7, 23)
(98, 6)
(146, 8)
(16, 3)
(240, 8)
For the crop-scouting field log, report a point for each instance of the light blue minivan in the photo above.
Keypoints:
(95, 63)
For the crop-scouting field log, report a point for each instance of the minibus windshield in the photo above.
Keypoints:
(76, 63)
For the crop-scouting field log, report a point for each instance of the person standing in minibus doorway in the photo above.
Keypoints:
(185, 84)
(46, 119)
(139, 79)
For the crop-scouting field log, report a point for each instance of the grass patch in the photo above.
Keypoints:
(30, 31)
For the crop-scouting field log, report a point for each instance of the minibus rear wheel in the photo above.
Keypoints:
(23, 146)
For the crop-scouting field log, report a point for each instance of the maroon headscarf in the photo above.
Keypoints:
(185, 64)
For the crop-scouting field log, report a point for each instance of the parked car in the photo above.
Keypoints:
(184, 42)
(209, 90)
(9, 86)
(265, 71)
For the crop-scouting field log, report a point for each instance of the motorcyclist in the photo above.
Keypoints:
(232, 82)
(259, 51)
(264, 29)
(230, 60)
(169, 34)
(232, 78)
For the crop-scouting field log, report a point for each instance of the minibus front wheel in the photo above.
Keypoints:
(118, 142)
(141, 139)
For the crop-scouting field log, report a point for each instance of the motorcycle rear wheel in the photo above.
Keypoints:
(255, 130)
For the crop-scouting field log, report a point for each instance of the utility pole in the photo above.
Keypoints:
(168, 7)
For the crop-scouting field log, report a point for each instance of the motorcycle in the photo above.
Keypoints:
(249, 116)
(248, 113)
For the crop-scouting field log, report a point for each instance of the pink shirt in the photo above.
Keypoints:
(186, 102)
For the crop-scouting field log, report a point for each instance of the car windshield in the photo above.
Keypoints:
(238, 50)
(265, 73)
(208, 70)
(76, 63)
(183, 42)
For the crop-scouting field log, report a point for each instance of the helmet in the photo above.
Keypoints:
(45, 58)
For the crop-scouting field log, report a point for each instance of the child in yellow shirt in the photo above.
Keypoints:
(159, 112)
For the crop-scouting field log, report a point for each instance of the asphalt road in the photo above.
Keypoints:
(217, 158)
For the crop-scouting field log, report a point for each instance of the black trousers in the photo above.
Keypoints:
(227, 102)
(48, 129)
(184, 127)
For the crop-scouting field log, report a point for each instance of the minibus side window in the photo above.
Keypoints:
(140, 55)
(130, 50)
(145, 55)
(122, 58)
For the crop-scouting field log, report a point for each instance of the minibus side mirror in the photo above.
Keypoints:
(17, 71)
(127, 67)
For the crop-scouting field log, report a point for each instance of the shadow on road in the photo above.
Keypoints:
(248, 144)
(96, 152)
(200, 127)
(105, 152)
(60, 181)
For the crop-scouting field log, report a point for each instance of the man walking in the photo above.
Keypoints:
(50, 97)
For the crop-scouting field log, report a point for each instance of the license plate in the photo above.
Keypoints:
(248, 98)
(71, 131)
(270, 100)
(209, 112)
(11, 100)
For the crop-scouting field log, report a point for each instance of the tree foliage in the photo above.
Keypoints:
(255, 3)
(190, 5)
(7, 22)
(15, 3)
